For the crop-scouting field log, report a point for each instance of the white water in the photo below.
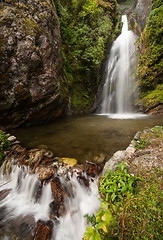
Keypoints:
(73, 224)
(22, 201)
(118, 92)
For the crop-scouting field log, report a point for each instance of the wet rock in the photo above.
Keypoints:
(63, 170)
(11, 138)
(16, 143)
(49, 154)
(76, 170)
(46, 173)
(101, 158)
(83, 180)
(47, 161)
(92, 169)
(59, 194)
(37, 157)
(80, 176)
(43, 230)
(4, 193)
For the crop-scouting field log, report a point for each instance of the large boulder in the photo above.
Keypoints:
(32, 82)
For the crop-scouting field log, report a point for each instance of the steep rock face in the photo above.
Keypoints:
(139, 13)
(31, 66)
(142, 11)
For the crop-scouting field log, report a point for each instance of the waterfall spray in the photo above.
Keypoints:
(118, 91)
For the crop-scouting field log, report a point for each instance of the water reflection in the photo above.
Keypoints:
(85, 137)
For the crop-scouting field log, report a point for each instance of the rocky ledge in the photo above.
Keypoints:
(144, 152)
(49, 169)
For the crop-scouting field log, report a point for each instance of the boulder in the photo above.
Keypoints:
(46, 173)
(115, 160)
(31, 73)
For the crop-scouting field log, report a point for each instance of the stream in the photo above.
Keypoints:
(86, 137)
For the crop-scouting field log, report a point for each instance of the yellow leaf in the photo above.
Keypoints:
(70, 161)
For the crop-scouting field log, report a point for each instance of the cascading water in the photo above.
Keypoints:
(118, 91)
(24, 200)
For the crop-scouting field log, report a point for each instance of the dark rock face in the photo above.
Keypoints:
(31, 65)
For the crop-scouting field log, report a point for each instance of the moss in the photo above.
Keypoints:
(153, 98)
(87, 28)
(150, 65)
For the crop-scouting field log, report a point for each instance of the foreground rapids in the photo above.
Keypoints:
(51, 209)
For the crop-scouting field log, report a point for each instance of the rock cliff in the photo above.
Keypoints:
(32, 83)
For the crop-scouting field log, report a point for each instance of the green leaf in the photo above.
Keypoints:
(96, 236)
(113, 196)
(106, 217)
(89, 232)
(102, 226)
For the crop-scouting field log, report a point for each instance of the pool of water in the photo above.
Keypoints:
(86, 137)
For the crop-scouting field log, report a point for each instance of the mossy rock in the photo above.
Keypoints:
(153, 98)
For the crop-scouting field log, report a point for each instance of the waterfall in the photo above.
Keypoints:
(24, 200)
(118, 94)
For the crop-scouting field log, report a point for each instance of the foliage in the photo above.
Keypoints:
(150, 137)
(117, 186)
(138, 215)
(116, 189)
(153, 98)
(156, 3)
(145, 213)
(87, 28)
(150, 65)
(140, 144)
(4, 145)
(100, 223)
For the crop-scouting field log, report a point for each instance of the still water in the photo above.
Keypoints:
(86, 137)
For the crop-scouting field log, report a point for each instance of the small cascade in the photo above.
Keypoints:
(119, 89)
(85, 201)
(24, 199)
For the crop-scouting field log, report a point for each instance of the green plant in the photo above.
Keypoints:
(150, 137)
(4, 145)
(99, 223)
(116, 191)
(143, 216)
(117, 186)
(150, 65)
(140, 144)
(87, 28)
